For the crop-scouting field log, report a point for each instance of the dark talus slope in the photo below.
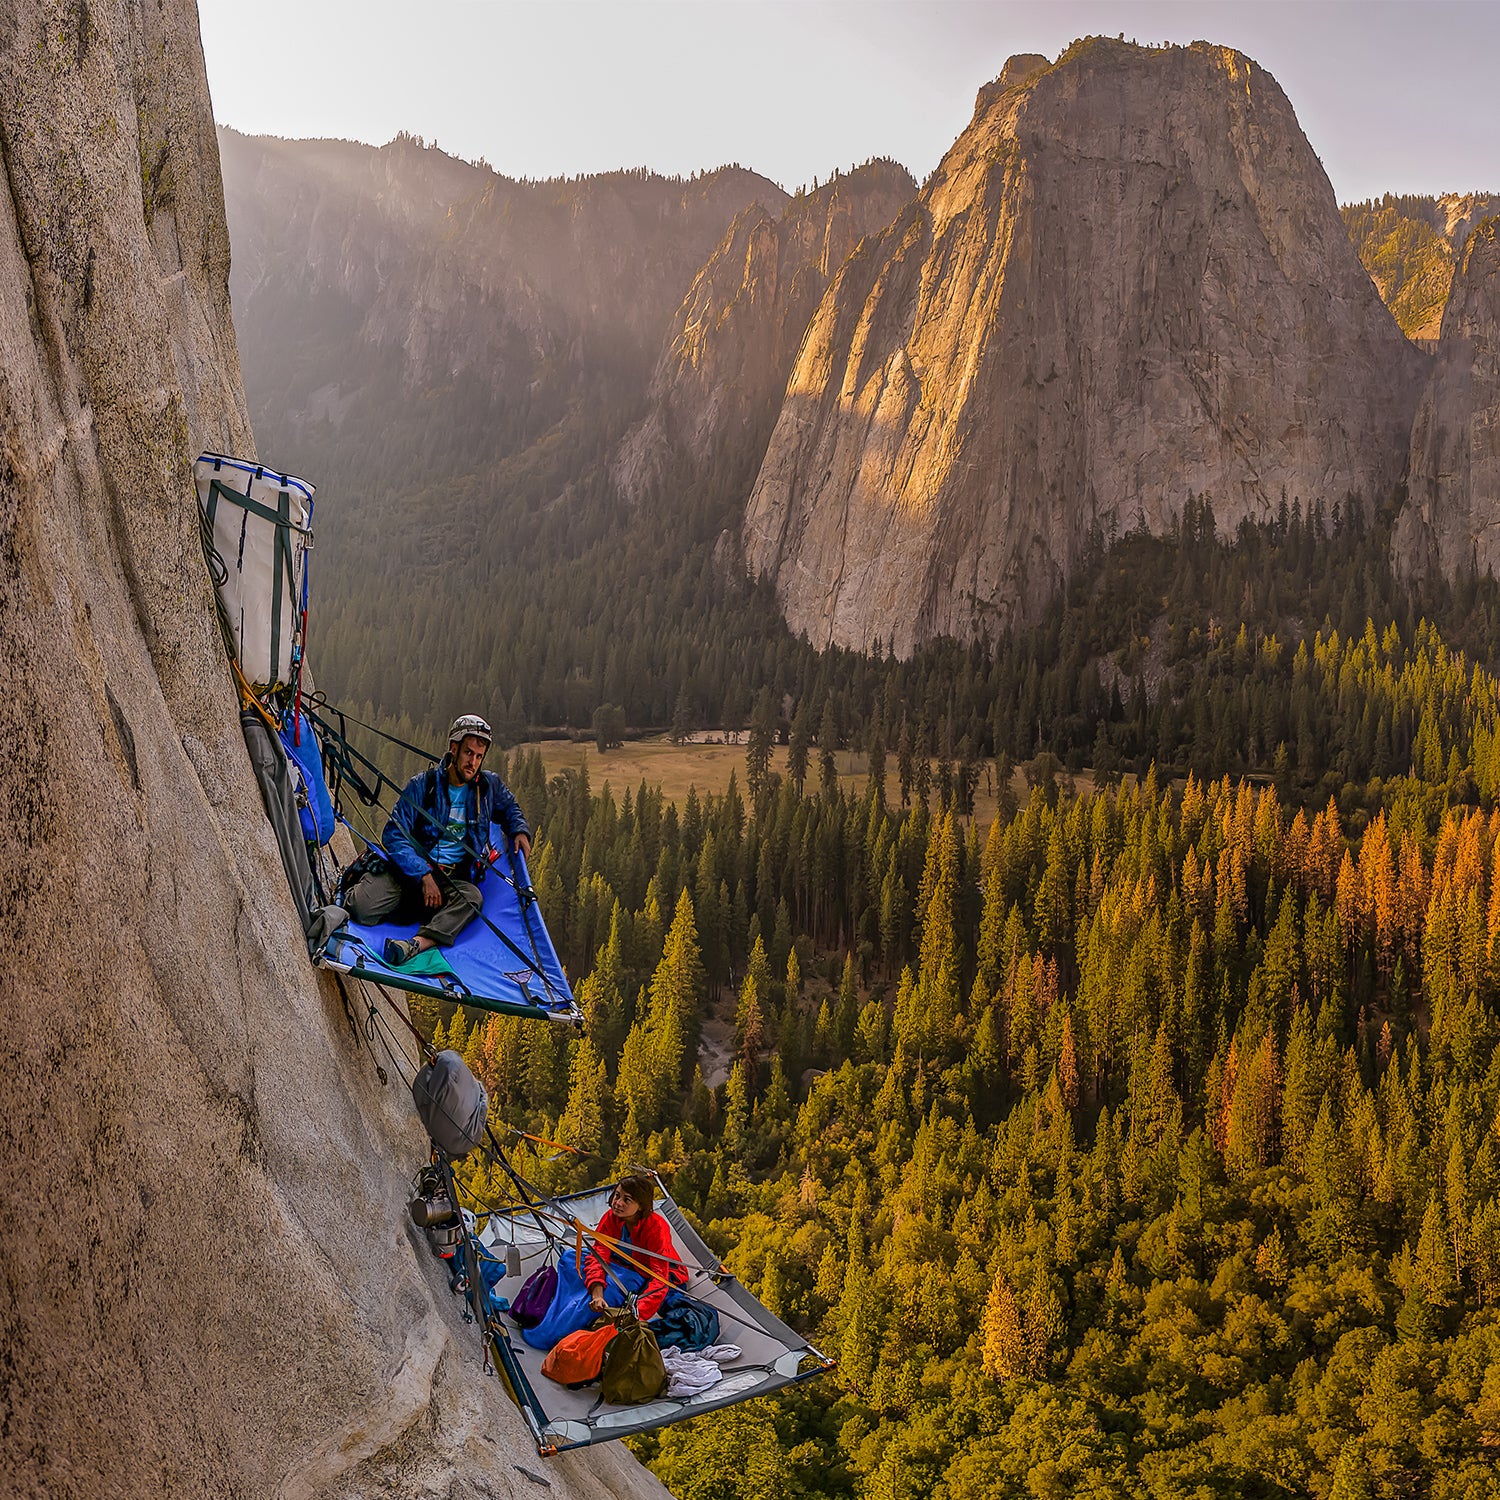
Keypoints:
(1127, 281)
(1410, 245)
(724, 365)
(1451, 520)
(209, 1287)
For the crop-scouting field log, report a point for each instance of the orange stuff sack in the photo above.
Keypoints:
(577, 1358)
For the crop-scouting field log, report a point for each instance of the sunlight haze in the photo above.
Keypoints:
(1393, 97)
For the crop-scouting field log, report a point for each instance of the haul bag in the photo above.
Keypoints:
(314, 805)
(633, 1370)
(261, 523)
(268, 760)
(452, 1103)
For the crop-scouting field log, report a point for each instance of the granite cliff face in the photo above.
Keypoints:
(352, 260)
(725, 361)
(1410, 245)
(209, 1285)
(1451, 521)
(1127, 281)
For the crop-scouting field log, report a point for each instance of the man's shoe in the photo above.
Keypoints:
(399, 951)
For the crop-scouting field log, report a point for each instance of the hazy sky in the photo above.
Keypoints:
(1394, 97)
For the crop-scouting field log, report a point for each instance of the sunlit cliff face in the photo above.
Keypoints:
(1126, 282)
(1452, 519)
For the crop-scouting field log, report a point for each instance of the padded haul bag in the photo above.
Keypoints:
(261, 524)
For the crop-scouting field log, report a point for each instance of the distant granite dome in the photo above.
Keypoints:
(727, 355)
(1127, 281)
(1451, 521)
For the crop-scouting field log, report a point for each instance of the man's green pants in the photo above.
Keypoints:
(385, 896)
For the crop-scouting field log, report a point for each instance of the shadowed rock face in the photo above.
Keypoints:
(209, 1285)
(1451, 521)
(1127, 281)
(402, 249)
(726, 358)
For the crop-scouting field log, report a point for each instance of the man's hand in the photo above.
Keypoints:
(596, 1298)
(431, 895)
(523, 843)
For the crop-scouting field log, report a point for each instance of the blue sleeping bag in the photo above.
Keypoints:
(570, 1308)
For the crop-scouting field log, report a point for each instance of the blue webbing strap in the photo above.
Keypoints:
(282, 517)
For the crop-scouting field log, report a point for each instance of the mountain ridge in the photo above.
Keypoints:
(725, 359)
(1410, 244)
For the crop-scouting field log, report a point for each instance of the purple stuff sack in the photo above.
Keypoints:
(532, 1302)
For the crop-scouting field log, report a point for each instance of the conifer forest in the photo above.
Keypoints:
(1145, 1142)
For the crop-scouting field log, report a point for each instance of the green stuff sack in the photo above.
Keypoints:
(633, 1371)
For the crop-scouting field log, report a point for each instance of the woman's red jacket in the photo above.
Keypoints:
(649, 1239)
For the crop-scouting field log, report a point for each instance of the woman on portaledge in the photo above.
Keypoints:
(647, 1246)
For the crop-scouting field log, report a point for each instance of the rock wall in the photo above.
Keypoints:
(725, 360)
(1127, 281)
(1451, 521)
(209, 1286)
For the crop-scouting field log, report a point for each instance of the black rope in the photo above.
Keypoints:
(320, 700)
(348, 1008)
(218, 572)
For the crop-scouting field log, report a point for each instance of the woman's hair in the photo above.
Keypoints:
(638, 1184)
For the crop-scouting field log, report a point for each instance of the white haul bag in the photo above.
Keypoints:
(261, 525)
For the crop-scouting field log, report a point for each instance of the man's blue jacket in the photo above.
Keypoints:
(421, 814)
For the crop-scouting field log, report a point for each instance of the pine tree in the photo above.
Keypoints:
(1067, 1065)
(1433, 1271)
(1351, 1475)
(1043, 1324)
(581, 1123)
(828, 739)
(937, 965)
(798, 746)
(762, 741)
(1006, 1356)
(749, 1025)
(737, 1110)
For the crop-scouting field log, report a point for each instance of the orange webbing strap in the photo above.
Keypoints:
(580, 1229)
(542, 1140)
(248, 698)
(622, 1248)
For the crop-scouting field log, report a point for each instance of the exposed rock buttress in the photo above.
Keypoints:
(208, 1284)
(1451, 521)
(1128, 281)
